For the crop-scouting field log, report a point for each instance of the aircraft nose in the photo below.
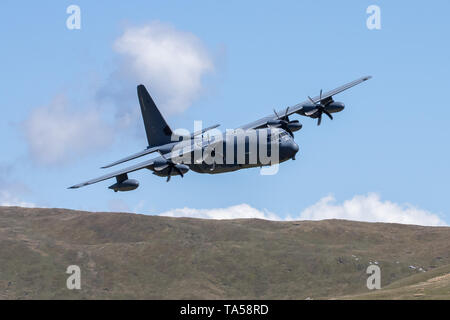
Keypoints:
(294, 147)
(290, 148)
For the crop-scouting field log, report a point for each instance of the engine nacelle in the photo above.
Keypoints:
(335, 107)
(292, 125)
(125, 185)
(295, 126)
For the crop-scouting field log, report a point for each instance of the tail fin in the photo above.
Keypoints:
(157, 129)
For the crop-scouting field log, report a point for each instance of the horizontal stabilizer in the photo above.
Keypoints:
(132, 157)
(199, 132)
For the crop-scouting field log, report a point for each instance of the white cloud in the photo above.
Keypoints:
(12, 190)
(170, 62)
(56, 133)
(370, 208)
(234, 212)
(9, 200)
(360, 208)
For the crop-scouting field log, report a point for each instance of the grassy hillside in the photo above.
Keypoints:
(149, 257)
(434, 285)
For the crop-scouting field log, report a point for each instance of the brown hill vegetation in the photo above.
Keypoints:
(132, 256)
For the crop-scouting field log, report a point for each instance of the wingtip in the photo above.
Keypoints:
(77, 186)
(367, 78)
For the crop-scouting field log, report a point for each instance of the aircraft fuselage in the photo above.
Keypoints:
(240, 151)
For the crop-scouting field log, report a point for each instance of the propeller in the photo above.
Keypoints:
(284, 122)
(168, 164)
(319, 108)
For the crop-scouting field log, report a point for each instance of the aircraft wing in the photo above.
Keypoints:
(136, 167)
(174, 154)
(261, 123)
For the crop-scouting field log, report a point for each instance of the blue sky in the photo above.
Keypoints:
(388, 147)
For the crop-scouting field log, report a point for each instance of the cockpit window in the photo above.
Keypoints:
(277, 134)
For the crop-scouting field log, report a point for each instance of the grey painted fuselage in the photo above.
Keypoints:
(239, 151)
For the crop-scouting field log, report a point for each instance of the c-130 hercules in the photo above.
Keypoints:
(275, 127)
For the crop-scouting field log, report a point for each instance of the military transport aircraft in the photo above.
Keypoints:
(276, 127)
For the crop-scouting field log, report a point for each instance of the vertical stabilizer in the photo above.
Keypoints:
(157, 130)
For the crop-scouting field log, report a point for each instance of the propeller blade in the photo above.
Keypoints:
(274, 111)
(169, 174)
(320, 108)
(290, 132)
(286, 114)
(179, 171)
(328, 114)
